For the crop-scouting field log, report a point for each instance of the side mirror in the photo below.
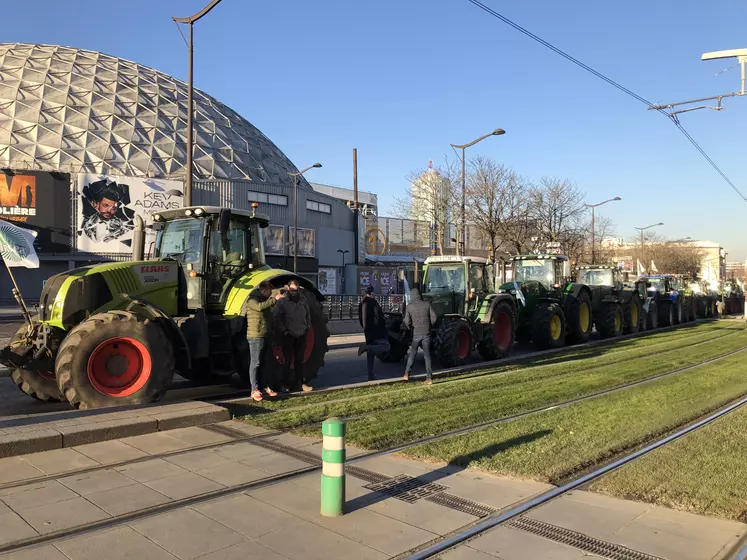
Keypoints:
(224, 219)
(157, 226)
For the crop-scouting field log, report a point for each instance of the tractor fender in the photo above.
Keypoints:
(494, 301)
(183, 357)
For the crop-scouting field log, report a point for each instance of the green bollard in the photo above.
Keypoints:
(333, 467)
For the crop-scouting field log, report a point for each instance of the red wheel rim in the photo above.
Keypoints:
(119, 367)
(502, 331)
(277, 349)
(462, 344)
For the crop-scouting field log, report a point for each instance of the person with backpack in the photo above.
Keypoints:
(420, 319)
(372, 319)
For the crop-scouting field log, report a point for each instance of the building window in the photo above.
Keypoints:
(264, 198)
(319, 207)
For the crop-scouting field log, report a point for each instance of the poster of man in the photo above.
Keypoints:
(107, 206)
(306, 242)
(274, 237)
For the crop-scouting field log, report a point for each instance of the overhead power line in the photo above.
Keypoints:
(614, 84)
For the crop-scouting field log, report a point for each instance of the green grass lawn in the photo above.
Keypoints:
(704, 472)
(561, 443)
(414, 411)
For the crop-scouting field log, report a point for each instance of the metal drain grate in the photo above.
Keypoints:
(579, 540)
(365, 474)
(461, 504)
(305, 456)
(224, 431)
(407, 488)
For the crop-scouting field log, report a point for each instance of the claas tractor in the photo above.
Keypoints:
(616, 309)
(471, 315)
(115, 333)
(552, 310)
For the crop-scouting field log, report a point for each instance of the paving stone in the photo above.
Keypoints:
(40, 553)
(36, 494)
(296, 442)
(311, 542)
(183, 486)
(275, 463)
(14, 528)
(32, 442)
(156, 443)
(82, 434)
(248, 516)
(62, 515)
(13, 469)
(186, 533)
(96, 481)
(60, 461)
(152, 469)
(665, 518)
(172, 420)
(232, 474)
(197, 436)
(512, 544)
(246, 550)
(119, 543)
(665, 544)
(292, 498)
(127, 499)
(243, 427)
(242, 451)
(495, 494)
(465, 553)
(197, 460)
(108, 452)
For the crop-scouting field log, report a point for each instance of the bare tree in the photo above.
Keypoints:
(670, 257)
(558, 210)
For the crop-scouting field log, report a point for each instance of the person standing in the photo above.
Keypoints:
(420, 318)
(293, 321)
(258, 311)
(372, 319)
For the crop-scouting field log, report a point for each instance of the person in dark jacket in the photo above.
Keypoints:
(293, 321)
(420, 319)
(258, 311)
(372, 319)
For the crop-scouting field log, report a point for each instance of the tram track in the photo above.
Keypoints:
(315, 466)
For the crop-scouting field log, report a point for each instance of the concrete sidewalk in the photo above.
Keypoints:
(393, 505)
(341, 341)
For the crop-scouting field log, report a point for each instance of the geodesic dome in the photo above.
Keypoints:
(73, 110)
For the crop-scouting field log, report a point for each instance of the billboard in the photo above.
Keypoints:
(107, 205)
(274, 238)
(327, 281)
(39, 201)
(306, 242)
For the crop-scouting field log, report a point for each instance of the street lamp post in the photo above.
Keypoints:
(463, 147)
(295, 176)
(642, 229)
(593, 207)
(190, 90)
(342, 279)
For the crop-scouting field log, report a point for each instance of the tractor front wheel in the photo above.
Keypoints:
(499, 337)
(580, 319)
(666, 314)
(548, 326)
(633, 312)
(610, 321)
(40, 385)
(114, 359)
(652, 317)
(453, 343)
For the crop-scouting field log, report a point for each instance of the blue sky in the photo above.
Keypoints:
(401, 80)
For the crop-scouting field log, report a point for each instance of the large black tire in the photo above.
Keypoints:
(632, 320)
(91, 359)
(710, 308)
(652, 317)
(666, 314)
(499, 336)
(579, 319)
(702, 307)
(398, 347)
(678, 310)
(453, 343)
(548, 326)
(692, 309)
(610, 320)
(41, 386)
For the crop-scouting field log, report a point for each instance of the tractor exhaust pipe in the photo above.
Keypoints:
(138, 239)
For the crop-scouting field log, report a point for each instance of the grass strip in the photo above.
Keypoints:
(396, 418)
(703, 473)
(558, 444)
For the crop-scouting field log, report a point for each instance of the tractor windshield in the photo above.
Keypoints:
(537, 270)
(602, 277)
(181, 240)
(444, 278)
(658, 284)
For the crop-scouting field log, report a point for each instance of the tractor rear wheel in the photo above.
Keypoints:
(652, 317)
(666, 314)
(692, 310)
(633, 322)
(453, 343)
(113, 359)
(548, 326)
(610, 320)
(499, 341)
(679, 314)
(398, 347)
(580, 319)
(40, 385)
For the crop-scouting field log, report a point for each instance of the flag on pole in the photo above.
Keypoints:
(653, 267)
(17, 246)
(639, 266)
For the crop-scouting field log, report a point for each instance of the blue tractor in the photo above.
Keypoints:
(663, 290)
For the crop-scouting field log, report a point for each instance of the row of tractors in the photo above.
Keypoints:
(546, 303)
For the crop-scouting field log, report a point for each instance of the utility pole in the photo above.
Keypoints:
(593, 242)
(642, 229)
(295, 176)
(356, 214)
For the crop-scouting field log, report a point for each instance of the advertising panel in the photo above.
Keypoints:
(38, 201)
(383, 280)
(274, 237)
(107, 205)
(327, 281)
(306, 242)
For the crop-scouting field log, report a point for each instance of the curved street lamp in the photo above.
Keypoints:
(295, 176)
(642, 229)
(593, 244)
(463, 147)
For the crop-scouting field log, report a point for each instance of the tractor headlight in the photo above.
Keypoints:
(188, 212)
(199, 212)
(156, 217)
(57, 310)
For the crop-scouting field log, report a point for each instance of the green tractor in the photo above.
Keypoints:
(470, 314)
(114, 334)
(552, 309)
(616, 309)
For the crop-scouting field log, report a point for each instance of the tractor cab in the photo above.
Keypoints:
(213, 246)
(456, 285)
(600, 275)
(661, 284)
(540, 274)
